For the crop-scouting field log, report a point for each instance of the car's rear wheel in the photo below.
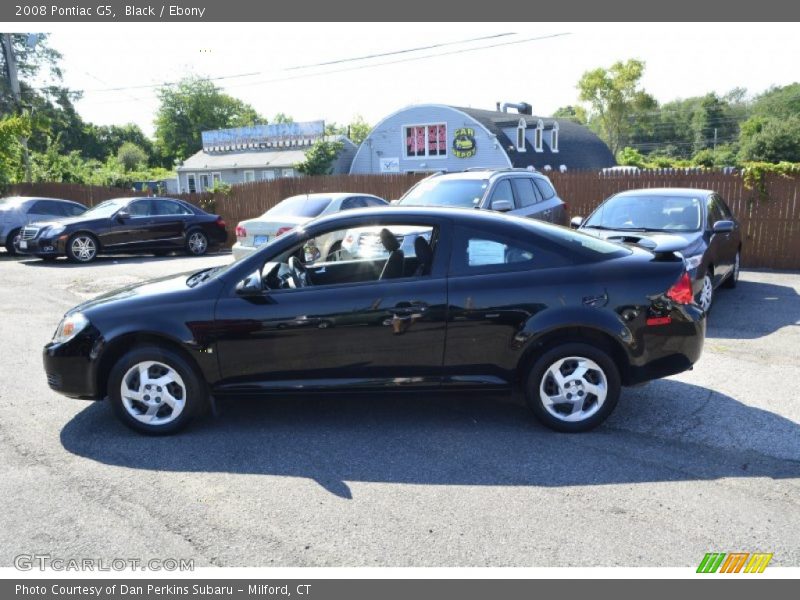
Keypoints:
(11, 241)
(155, 390)
(705, 297)
(196, 243)
(82, 248)
(733, 278)
(573, 387)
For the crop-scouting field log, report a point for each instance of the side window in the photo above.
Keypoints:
(726, 212)
(545, 188)
(523, 190)
(713, 212)
(140, 208)
(502, 191)
(166, 207)
(354, 202)
(46, 207)
(73, 210)
(477, 251)
(373, 202)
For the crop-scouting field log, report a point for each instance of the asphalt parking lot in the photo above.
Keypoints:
(705, 461)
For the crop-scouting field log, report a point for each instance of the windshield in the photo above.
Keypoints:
(464, 193)
(106, 209)
(648, 213)
(299, 206)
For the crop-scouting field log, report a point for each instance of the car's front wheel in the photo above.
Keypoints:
(573, 387)
(197, 243)
(82, 248)
(155, 390)
(11, 242)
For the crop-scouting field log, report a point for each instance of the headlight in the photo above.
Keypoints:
(55, 230)
(69, 327)
(693, 262)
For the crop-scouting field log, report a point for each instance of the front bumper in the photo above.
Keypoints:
(43, 246)
(71, 367)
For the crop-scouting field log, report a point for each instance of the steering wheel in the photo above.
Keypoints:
(297, 273)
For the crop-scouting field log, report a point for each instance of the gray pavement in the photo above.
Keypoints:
(705, 461)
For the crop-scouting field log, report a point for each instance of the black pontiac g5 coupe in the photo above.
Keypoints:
(485, 302)
(125, 225)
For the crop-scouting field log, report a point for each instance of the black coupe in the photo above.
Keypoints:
(125, 225)
(486, 302)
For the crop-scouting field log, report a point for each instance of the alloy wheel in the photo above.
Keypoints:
(83, 248)
(573, 389)
(153, 393)
(197, 243)
(706, 295)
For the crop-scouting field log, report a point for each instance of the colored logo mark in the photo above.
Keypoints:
(734, 562)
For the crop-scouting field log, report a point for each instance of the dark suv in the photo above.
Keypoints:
(520, 192)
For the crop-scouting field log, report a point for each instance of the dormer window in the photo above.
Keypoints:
(538, 136)
(554, 137)
(521, 127)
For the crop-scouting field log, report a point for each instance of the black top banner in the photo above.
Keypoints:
(26, 11)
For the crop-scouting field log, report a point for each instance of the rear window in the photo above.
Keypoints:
(574, 242)
(458, 193)
(300, 206)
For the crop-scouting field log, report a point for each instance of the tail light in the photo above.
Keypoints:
(220, 222)
(241, 232)
(681, 292)
(282, 230)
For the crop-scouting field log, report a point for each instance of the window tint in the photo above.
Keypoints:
(466, 193)
(502, 191)
(73, 210)
(166, 207)
(140, 208)
(523, 190)
(479, 252)
(545, 188)
(714, 212)
(47, 207)
(374, 201)
(355, 202)
(726, 212)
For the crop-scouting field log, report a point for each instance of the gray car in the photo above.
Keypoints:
(18, 211)
(519, 192)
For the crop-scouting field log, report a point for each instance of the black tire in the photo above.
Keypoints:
(10, 248)
(196, 243)
(74, 255)
(539, 376)
(732, 279)
(195, 395)
(711, 291)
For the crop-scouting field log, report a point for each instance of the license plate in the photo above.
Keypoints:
(260, 240)
(23, 244)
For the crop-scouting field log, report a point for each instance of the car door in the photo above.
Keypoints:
(718, 252)
(732, 240)
(501, 191)
(373, 333)
(168, 223)
(528, 200)
(131, 232)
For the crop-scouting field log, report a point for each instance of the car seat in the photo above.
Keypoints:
(394, 264)
(424, 254)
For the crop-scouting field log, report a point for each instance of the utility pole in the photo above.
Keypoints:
(715, 140)
(13, 82)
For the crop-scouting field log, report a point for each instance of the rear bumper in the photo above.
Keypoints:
(669, 349)
(240, 252)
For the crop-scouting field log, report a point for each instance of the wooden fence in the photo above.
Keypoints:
(770, 218)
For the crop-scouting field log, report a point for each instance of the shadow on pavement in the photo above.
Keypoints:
(448, 440)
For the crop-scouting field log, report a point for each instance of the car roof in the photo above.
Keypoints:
(332, 195)
(483, 173)
(664, 191)
(29, 198)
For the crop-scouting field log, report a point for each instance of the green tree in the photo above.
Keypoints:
(12, 129)
(320, 158)
(770, 139)
(359, 129)
(630, 157)
(190, 107)
(614, 98)
(571, 112)
(131, 156)
(282, 118)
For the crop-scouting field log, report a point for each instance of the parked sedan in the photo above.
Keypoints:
(491, 302)
(294, 211)
(698, 223)
(153, 225)
(18, 211)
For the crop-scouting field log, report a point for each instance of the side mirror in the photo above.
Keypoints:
(123, 214)
(576, 222)
(502, 205)
(723, 227)
(250, 285)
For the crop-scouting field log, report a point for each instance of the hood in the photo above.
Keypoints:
(145, 291)
(66, 221)
(654, 241)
